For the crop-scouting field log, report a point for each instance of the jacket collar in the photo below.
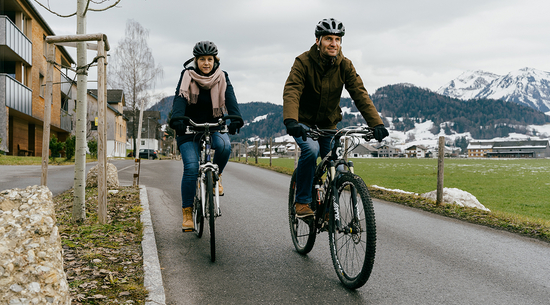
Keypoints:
(315, 55)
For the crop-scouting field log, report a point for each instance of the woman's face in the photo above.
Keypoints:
(205, 64)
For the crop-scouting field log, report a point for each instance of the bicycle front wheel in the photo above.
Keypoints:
(211, 217)
(198, 218)
(353, 245)
(302, 230)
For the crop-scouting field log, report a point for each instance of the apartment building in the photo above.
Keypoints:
(116, 121)
(23, 66)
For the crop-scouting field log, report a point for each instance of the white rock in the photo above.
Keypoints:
(458, 197)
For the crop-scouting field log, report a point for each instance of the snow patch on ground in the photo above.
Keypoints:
(458, 197)
(450, 196)
(393, 190)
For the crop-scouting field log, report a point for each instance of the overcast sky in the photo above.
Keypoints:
(423, 42)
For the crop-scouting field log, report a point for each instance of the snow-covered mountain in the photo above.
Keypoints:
(468, 84)
(527, 86)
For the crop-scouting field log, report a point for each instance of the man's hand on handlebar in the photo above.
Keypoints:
(380, 132)
(294, 129)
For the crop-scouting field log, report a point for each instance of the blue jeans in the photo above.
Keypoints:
(311, 150)
(190, 157)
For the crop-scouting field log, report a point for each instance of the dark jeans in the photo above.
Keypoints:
(311, 150)
(190, 157)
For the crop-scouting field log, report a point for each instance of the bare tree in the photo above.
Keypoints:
(82, 7)
(132, 69)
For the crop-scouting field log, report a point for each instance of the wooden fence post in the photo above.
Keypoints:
(256, 142)
(440, 167)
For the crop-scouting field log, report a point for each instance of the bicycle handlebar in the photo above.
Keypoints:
(355, 131)
(221, 122)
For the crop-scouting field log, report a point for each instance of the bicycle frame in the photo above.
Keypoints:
(332, 165)
(206, 165)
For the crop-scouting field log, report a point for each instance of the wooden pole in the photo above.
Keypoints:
(270, 150)
(102, 132)
(246, 151)
(256, 142)
(48, 99)
(440, 167)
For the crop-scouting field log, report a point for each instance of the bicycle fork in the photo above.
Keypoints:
(204, 168)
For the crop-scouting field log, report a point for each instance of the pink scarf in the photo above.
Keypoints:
(189, 89)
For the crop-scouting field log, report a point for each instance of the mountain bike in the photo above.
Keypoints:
(342, 207)
(206, 204)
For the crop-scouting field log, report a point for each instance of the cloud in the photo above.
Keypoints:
(424, 42)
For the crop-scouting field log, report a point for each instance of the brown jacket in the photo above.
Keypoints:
(312, 95)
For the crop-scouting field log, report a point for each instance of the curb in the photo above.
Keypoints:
(151, 266)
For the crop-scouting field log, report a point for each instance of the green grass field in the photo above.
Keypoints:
(514, 186)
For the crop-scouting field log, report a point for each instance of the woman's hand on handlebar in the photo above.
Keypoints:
(235, 127)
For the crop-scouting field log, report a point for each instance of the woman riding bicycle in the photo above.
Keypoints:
(311, 97)
(204, 93)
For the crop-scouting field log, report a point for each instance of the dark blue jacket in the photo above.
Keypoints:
(201, 112)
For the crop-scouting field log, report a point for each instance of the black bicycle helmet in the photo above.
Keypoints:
(330, 26)
(203, 48)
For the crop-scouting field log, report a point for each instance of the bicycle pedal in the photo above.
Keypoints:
(187, 230)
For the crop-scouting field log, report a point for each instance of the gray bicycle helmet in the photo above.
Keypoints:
(330, 26)
(203, 48)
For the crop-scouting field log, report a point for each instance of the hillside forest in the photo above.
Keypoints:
(405, 105)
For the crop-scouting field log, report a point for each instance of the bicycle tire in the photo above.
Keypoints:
(198, 219)
(211, 215)
(353, 250)
(302, 230)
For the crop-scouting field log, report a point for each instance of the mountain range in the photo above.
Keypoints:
(527, 86)
(480, 104)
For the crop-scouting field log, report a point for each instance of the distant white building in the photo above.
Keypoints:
(509, 149)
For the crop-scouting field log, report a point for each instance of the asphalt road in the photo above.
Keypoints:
(60, 177)
(421, 258)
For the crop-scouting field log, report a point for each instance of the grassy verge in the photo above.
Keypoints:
(103, 262)
(524, 225)
(20, 160)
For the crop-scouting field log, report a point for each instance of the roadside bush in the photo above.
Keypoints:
(70, 147)
(92, 146)
(55, 147)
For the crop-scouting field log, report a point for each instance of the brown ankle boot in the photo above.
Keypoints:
(187, 219)
(303, 210)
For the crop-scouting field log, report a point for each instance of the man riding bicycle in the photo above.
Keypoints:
(311, 97)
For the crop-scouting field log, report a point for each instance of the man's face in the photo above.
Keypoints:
(329, 45)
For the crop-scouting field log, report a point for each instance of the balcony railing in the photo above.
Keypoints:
(66, 121)
(17, 95)
(15, 40)
(66, 84)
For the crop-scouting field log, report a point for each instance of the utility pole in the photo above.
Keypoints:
(79, 205)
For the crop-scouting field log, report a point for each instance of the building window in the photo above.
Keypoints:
(44, 46)
(42, 85)
(93, 126)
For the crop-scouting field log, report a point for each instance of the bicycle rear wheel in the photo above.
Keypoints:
(198, 218)
(353, 248)
(302, 230)
(211, 217)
